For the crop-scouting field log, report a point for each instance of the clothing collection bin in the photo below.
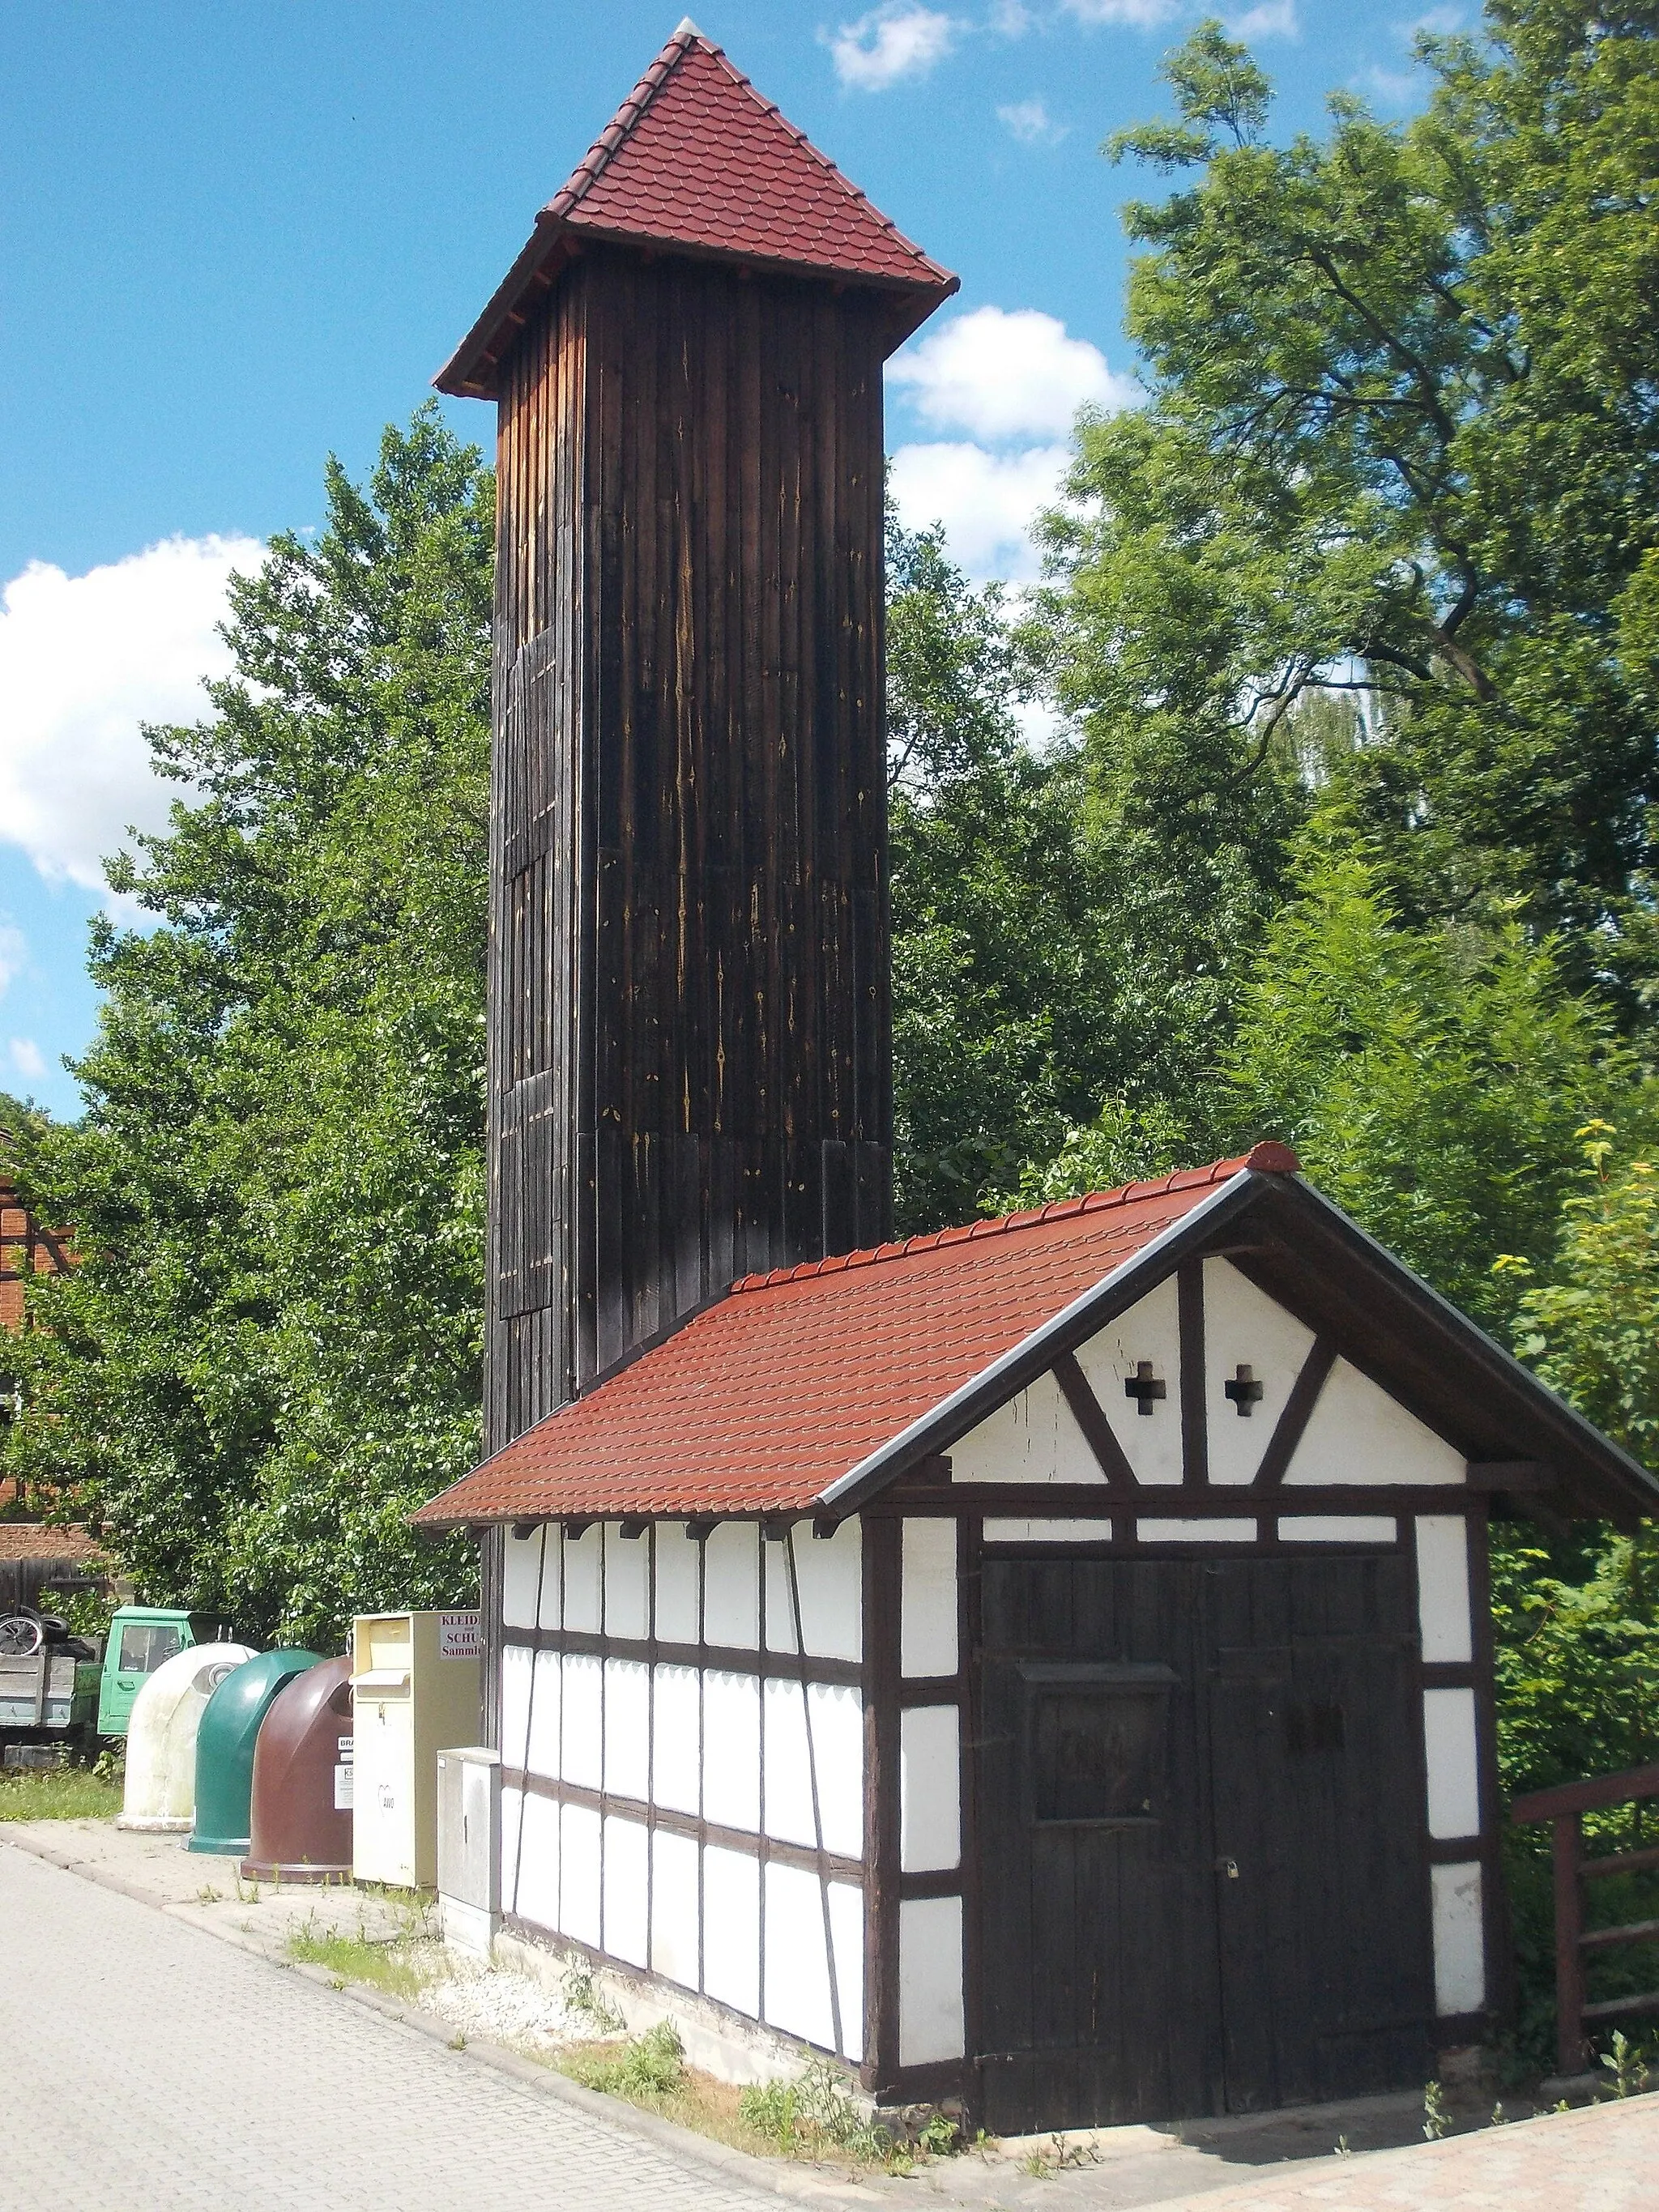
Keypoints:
(414, 1683)
(224, 1747)
(302, 1781)
(161, 1785)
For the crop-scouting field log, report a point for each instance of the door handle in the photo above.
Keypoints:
(1229, 1867)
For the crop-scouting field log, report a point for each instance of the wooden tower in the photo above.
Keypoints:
(689, 992)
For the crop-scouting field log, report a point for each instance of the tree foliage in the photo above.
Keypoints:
(271, 1349)
(1399, 444)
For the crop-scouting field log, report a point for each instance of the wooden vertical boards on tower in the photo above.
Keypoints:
(690, 1024)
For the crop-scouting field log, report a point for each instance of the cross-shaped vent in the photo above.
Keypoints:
(1243, 1389)
(1144, 1387)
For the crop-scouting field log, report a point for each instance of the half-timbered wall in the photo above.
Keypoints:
(683, 1736)
(1318, 1434)
(743, 1760)
(689, 969)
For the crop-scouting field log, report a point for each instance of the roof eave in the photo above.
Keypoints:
(472, 370)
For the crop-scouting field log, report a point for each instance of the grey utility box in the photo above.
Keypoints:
(470, 1848)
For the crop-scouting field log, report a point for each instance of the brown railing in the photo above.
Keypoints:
(1564, 1809)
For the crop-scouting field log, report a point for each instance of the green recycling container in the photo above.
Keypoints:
(224, 1749)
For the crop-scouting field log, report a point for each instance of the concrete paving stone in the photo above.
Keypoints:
(148, 2068)
(159, 2072)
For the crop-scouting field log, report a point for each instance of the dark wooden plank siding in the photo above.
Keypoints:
(689, 1018)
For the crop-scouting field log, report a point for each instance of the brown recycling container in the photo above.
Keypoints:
(303, 1774)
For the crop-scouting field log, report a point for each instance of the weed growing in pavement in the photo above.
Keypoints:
(1058, 2155)
(814, 2116)
(384, 1966)
(1628, 2064)
(1344, 2148)
(58, 1793)
(645, 2070)
(583, 1996)
(1436, 2120)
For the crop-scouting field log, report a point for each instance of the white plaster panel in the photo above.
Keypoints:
(627, 1584)
(512, 1813)
(676, 1919)
(544, 1716)
(930, 1789)
(930, 1980)
(552, 1582)
(797, 1962)
(1150, 1329)
(1032, 1437)
(628, 1729)
(1244, 1327)
(676, 1739)
(730, 1928)
(521, 1568)
(731, 1586)
(927, 1598)
(627, 1889)
(847, 1940)
(584, 1560)
(836, 1713)
(1337, 1528)
(580, 1863)
(731, 1733)
(537, 1863)
(787, 1772)
(1359, 1434)
(830, 1578)
(1448, 1740)
(1460, 1939)
(679, 1565)
(1048, 1532)
(515, 1703)
(582, 1744)
(1442, 1587)
(1220, 1530)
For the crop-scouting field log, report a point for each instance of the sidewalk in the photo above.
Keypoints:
(1602, 2160)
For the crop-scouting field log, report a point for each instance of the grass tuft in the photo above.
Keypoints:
(58, 1793)
(381, 1966)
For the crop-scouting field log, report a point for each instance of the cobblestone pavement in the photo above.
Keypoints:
(147, 2067)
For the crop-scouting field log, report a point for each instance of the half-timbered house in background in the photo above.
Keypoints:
(1044, 1663)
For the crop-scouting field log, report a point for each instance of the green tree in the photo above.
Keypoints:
(270, 1350)
(1400, 445)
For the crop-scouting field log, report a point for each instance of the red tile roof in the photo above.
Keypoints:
(764, 1399)
(695, 160)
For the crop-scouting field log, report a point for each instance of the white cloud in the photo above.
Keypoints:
(14, 951)
(83, 661)
(1002, 376)
(888, 44)
(1029, 121)
(27, 1060)
(1009, 18)
(986, 501)
(1142, 13)
(1269, 19)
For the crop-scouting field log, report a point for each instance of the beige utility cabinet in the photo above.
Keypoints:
(414, 1683)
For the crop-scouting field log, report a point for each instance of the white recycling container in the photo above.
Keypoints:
(161, 1786)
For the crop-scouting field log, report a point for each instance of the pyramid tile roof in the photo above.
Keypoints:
(696, 161)
(769, 1397)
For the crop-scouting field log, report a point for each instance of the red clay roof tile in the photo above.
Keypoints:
(697, 161)
(764, 1399)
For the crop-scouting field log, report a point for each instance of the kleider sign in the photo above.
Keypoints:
(458, 1636)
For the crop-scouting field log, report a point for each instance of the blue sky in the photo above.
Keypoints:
(241, 237)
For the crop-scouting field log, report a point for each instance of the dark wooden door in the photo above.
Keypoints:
(1202, 1885)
